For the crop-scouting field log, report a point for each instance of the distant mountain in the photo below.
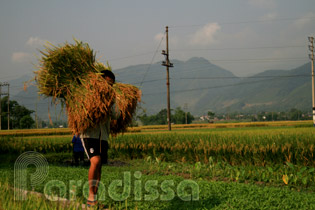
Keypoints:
(202, 86)
(41, 105)
(189, 83)
(272, 90)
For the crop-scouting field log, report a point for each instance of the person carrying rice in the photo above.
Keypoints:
(96, 105)
(94, 140)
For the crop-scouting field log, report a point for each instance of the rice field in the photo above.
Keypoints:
(236, 166)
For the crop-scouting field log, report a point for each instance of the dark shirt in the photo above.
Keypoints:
(77, 144)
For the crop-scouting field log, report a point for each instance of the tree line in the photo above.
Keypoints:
(20, 116)
(178, 116)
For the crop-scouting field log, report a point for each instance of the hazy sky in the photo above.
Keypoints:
(243, 36)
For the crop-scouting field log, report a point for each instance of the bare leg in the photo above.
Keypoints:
(94, 176)
(98, 179)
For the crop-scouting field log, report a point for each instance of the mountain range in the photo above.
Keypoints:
(198, 86)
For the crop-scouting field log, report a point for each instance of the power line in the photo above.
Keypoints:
(18, 86)
(252, 77)
(146, 72)
(203, 68)
(25, 97)
(209, 78)
(231, 77)
(183, 69)
(34, 103)
(254, 60)
(131, 56)
(15, 76)
(213, 87)
(239, 48)
(260, 59)
(147, 81)
(244, 22)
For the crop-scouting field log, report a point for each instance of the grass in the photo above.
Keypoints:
(226, 178)
(32, 201)
(226, 194)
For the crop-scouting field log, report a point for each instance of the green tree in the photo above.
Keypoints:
(295, 114)
(179, 117)
(158, 119)
(161, 117)
(272, 116)
(17, 112)
(261, 116)
(26, 121)
(211, 114)
(283, 116)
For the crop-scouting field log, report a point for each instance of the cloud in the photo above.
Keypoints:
(35, 42)
(206, 35)
(20, 57)
(305, 20)
(265, 4)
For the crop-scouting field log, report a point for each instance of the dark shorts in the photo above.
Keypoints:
(78, 156)
(95, 147)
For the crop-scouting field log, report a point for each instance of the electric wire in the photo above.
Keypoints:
(146, 72)
(243, 22)
(240, 48)
(212, 87)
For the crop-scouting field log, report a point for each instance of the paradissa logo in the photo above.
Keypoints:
(120, 190)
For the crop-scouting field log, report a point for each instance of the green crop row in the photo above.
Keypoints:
(44, 144)
(238, 146)
(295, 176)
(153, 128)
(212, 194)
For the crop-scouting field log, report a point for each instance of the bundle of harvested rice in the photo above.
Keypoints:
(127, 97)
(61, 68)
(91, 105)
(95, 107)
(70, 74)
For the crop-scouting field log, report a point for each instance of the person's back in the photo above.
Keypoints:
(95, 143)
(96, 139)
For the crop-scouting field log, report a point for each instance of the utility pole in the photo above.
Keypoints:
(185, 108)
(8, 106)
(8, 94)
(36, 121)
(168, 64)
(0, 105)
(311, 48)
